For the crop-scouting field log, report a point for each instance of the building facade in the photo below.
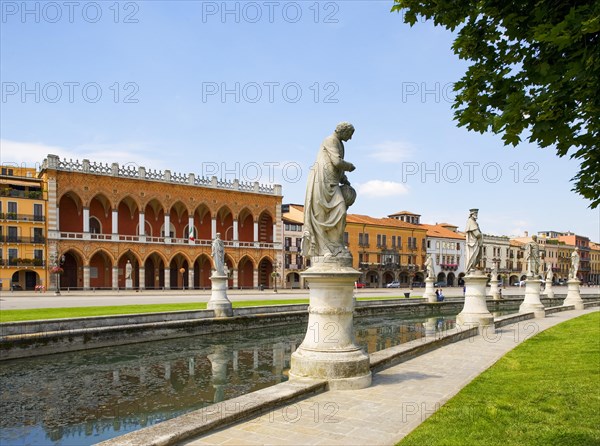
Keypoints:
(22, 229)
(102, 216)
(293, 261)
(447, 249)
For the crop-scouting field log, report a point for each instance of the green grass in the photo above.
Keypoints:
(71, 312)
(544, 392)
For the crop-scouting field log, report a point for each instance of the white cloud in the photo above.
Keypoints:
(31, 154)
(378, 188)
(392, 151)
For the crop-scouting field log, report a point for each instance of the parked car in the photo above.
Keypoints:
(360, 284)
(440, 284)
(16, 287)
(394, 284)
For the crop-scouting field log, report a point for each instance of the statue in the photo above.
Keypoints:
(218, 254)
(532, 256)
(128, 269)
(574, 264)
(328, 196)
(549, 273)
(429, 266)
(494, 271)
(474, 242)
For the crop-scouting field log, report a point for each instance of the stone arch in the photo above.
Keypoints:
(419, 277)
(404, 278)
(265, 268)
(388, 277)
(70, 212)
(203, 222)
(450, 279)
(100, 211)
(135, 269)
(441, 277)
(513, 279)
(225, 223)
(101, 264)
(245, 226)
(179, 280)
(154, 216)
(128, 216)
(178, 216)
(154, 270)
(265, 227)
(372, 278)
(202, 271)
(246, 272)
(72, 276)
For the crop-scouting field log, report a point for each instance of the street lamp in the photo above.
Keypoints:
(182, 271)
(57, 270)
(275, 275)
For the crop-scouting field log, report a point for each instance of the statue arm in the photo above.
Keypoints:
(333, 150)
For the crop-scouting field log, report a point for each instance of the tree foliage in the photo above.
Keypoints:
(534, 72)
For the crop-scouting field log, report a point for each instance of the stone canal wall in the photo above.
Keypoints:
(35, 338)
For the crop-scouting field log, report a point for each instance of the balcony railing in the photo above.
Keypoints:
(18, 239)
(35, 263)
(163, 240)
(13, 216)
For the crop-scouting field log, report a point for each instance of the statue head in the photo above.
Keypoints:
(218, 235)
(534, 238)
(473, 212)
(344, 131)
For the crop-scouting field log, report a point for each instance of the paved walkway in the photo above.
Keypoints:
(399, 399)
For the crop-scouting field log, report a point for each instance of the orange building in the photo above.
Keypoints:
(22, 229)
(100, 216)
(386, 249)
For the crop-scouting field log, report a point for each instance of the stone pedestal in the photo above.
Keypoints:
(494, 290)
(532, 298)
(429, 291)
(218, 299)
(573, 294)
(549, 291)
(475, 311)
(328, 350)
(129, 284)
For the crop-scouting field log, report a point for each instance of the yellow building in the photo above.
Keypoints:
(387, 249)
(22, 229)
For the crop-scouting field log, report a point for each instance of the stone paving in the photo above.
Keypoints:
(400, 398)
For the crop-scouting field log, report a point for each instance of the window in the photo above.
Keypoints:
(384, 240)
(437, 259)
(288, 242)
(12, 255)
(298, 243)
(12, 207)
(38, 254)
(437, 245)
(399, 242)
(37, 212)
(13, 234)
(378, 240)
(393, 241)
(458, 246)
(38, 235)
(360, 239)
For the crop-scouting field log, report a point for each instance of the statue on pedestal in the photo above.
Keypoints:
(532, 256)
(549, 273)
(218, 255)
(494, 272)
(474, 241)
(574, 264)
(328, 196)
(128, 269)
(429, 266)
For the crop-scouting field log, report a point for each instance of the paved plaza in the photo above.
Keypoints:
(400, 398)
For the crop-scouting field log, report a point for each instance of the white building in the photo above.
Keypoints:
(447, 249)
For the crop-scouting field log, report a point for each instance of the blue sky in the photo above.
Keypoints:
(250, 89)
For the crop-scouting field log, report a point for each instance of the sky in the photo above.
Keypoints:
(249, 90)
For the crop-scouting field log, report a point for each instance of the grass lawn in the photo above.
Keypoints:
(544, 392)
(59, 313)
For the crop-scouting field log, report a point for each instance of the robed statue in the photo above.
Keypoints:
(474, 241)
(429, 266)
(574, 264)
(532, 256)
(328, 196)
(218, 255)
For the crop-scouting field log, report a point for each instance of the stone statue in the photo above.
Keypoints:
(474, 241)
(128, 269)
(328, 196)
(574, 264)
(429, 266)
(494, 271)
(549, 273)
(218, 255)
(532, 256)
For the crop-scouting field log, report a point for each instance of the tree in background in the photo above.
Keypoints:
(535, 69)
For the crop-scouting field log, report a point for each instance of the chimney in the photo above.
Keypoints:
(526, 233)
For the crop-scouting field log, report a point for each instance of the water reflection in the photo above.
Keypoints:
(82, 398)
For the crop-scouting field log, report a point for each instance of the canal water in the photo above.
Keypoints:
(81, 398)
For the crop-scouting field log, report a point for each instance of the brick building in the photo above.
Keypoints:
(100, 216)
